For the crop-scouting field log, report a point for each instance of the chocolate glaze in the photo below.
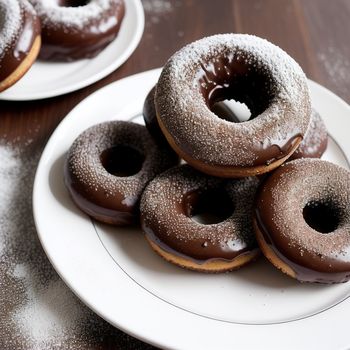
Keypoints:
(313, 256)
(199, 261)
(63, 42)
(315, 140)
(119, 214)
(90, 173)
(152, 124)
(150, 118)
(228, 77)
(248, 69)
(22, 45)
(170, 201)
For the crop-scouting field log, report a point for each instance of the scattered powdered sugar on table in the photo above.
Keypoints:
(336, 63)
(49, 310)
(159, 7)
(38, 311)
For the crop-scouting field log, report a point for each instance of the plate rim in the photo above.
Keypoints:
(119, 61)
(152, 339)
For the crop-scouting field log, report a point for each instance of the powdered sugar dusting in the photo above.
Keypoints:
(315, 141)
(336, 66)
(312, 180)
(166, 192)
(11, 21)
(76, 17)
(178, 94)
(85, 164)
(159, 7)
(38, 311)
(50, 306)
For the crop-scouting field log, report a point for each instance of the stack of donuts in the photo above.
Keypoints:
(247, 186)
(59, 30)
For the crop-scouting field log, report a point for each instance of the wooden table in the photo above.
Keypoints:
(315, 32)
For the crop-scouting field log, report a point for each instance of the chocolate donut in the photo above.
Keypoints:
(20, 40)
(150, 118)
(76, 29)
(152, 125)
(169, 204)
(250, 70)
(109, 165)
(302, 220)
(315, 140)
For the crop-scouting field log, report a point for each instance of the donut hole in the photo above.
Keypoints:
(232, 111)
(209, 207)
(73, 3)
(324, 217)
(122, 160)
(236, 78)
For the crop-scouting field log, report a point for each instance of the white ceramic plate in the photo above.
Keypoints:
(117, 275)
(49, 79)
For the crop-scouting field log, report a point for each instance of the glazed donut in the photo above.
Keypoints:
(302, 220)
(152, 125)
(150, 118)
(250, 70)
(20, 40)
(109, 165)
(76, 29)
(315, 140)
(172, 199)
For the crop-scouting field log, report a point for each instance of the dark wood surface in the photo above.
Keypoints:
(315, 32)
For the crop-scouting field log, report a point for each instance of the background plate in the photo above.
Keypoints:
(49, 79)
(117, 275)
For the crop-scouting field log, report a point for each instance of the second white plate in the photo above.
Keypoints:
(114, 271)
(50, 79)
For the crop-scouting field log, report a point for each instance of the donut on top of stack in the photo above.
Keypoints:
(250, 70)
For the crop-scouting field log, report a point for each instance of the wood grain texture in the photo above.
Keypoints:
(315, 32)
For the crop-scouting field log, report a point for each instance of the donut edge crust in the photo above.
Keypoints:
(226, 171)
(23, 68)
(269, 253)
(212, 266)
